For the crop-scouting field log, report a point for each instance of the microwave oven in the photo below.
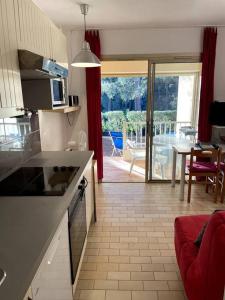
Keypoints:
(44, 94)
(58, 91)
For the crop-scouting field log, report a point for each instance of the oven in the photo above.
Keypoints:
(77, 226)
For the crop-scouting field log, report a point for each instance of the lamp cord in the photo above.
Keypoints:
(84, 22)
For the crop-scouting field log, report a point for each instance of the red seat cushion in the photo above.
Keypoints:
(186, 231)
(202, 269)
(203, 167)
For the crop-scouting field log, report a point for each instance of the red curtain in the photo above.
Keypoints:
(93, 86)
(207, 84)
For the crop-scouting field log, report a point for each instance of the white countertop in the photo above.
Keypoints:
(28, 224)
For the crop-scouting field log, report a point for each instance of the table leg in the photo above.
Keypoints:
(173, 181)
(182, 178)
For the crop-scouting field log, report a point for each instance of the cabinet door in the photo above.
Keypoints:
(53, 279)
(34, 32)
(10, 83)
(89, 194)
(59, 46)
(28, 295)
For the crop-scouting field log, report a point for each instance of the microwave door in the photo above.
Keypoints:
(57, 90)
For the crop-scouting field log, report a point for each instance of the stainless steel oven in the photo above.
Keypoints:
(77, 227)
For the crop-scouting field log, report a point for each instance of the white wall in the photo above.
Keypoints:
(54, 131)
(142, 41)
(77, 83)
(219, 85)
(151, 41)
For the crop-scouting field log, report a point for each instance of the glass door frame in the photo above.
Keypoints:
(153, 59)
(150, 107)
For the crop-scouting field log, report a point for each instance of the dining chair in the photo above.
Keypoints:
(205, 163)
(222, 178)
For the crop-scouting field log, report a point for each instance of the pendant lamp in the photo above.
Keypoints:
(85, 58)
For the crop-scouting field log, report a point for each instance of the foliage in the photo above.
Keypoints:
(130, 93)
(166, 115)
(136, 116)
(122, 93)
(113, 121)
(166, 93)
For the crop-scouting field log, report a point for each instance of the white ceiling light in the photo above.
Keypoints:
(85, 58)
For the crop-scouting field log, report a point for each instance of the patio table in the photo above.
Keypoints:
(183, 150)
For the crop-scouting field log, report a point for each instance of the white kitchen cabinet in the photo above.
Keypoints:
(34, 30)
(28, 295)
(59, 46)
(89, 194)
(38, 34)
(10, 83)
(24, 26)
(53, 278)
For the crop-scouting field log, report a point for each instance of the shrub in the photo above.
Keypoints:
(166, 115)
(113, 120)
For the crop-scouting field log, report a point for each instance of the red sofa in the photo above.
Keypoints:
(202, 269)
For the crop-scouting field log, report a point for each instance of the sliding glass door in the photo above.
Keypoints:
(172, 114)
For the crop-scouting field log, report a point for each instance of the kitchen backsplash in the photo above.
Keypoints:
(19, 140)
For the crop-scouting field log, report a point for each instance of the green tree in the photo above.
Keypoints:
(126, 88)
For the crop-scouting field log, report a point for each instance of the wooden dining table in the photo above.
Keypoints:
(184, 150)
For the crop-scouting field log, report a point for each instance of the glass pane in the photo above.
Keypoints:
(174, 114)
(124, 98)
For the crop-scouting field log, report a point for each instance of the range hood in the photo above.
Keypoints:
(34, 66)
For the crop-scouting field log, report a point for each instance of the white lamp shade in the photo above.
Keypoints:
(85, 58)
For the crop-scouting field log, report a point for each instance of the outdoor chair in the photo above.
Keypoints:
(208, 169)
(117, 142)
(160, 158)
(137, 153)
(189, 131)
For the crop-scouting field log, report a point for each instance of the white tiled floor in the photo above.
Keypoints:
(130, 252)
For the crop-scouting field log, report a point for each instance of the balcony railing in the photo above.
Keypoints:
(136, 131)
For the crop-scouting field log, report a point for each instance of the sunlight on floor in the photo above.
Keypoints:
(118, 170)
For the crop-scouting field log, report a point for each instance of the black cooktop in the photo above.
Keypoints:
(38, 181)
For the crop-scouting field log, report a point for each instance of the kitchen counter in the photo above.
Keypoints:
(28, 224)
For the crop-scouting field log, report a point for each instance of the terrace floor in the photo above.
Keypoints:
(130, 251)
(116, 169)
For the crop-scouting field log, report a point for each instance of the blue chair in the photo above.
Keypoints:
(117, 142)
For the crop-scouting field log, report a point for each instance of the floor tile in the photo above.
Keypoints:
(131, 285)
(142, 276)
(144, 295)
(92, 295)
(119, 275)
(106, 285)
(130, 254)
(118, 295)
(171, 295)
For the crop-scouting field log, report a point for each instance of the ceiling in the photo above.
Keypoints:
(111, 14)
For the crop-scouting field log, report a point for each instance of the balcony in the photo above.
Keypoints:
(117, 162)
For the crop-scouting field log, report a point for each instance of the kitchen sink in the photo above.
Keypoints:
(2, 276)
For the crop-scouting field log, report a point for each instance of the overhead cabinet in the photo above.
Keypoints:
(24, 26)
(10, 83)
(38, 34)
